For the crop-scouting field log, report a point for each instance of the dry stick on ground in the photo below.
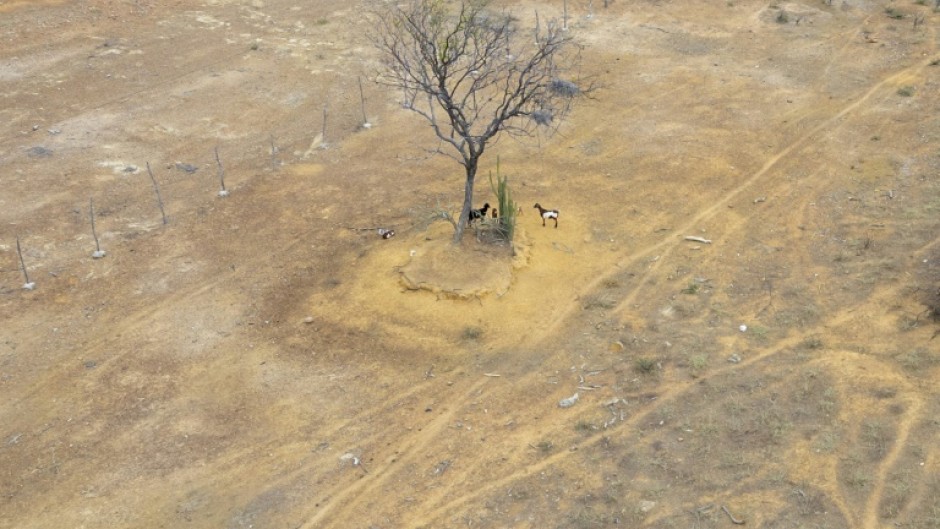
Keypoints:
(733, 519)
(156, 189)
(384, 233)
(29, 285)
(223, 192)
(565, 16)
(98, 253)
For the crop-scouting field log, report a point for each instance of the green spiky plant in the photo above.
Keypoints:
(506, 225)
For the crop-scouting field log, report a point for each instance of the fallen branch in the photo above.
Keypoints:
(384, 233)
(697, 239)
(733, 519)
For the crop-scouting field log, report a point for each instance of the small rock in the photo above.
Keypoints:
(742, 328)
(735, 358)
(39, 152)
(616, 347)
(647, 506)
(90, 364)
(568, 402)
(186, 167)
(308, 319)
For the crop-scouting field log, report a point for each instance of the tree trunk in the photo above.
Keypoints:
(471, 167)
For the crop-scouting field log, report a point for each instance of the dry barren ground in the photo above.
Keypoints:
(256, 363)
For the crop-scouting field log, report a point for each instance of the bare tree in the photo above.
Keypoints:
(472, 75)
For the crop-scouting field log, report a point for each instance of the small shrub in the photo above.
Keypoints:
(827, 442)
(759, 331)
(544, 446)
(584, 426)
(906, 91)
(812, 342)
(691, 289)
(894, 13)
(471, 333)
(645, 365)
(598, 302)
(783, 17)
(858, 478)
(697, 364)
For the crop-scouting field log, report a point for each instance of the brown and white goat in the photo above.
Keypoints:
(547, 214)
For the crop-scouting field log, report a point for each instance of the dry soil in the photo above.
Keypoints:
(264, 361)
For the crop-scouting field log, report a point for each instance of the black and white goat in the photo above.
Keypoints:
(547, 214)
(478, 213)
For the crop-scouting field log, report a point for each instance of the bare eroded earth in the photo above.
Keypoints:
(261, 361)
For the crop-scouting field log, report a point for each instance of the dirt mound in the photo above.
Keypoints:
(473, 269)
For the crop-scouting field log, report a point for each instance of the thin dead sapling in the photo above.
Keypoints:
(156, 189)
(98, 253)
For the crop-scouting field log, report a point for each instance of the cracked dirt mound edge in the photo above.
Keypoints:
(472, 269)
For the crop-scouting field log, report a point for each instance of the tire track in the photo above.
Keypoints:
(349, 497)
(910, 418)
(675, 392)
(668, 244)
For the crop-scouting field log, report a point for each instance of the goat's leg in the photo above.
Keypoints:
(556, 221)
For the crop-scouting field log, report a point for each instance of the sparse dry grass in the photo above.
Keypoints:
(824, 244)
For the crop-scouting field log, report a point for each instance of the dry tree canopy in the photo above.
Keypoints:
(471, 71)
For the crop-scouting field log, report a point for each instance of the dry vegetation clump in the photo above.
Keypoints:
(933, 304)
